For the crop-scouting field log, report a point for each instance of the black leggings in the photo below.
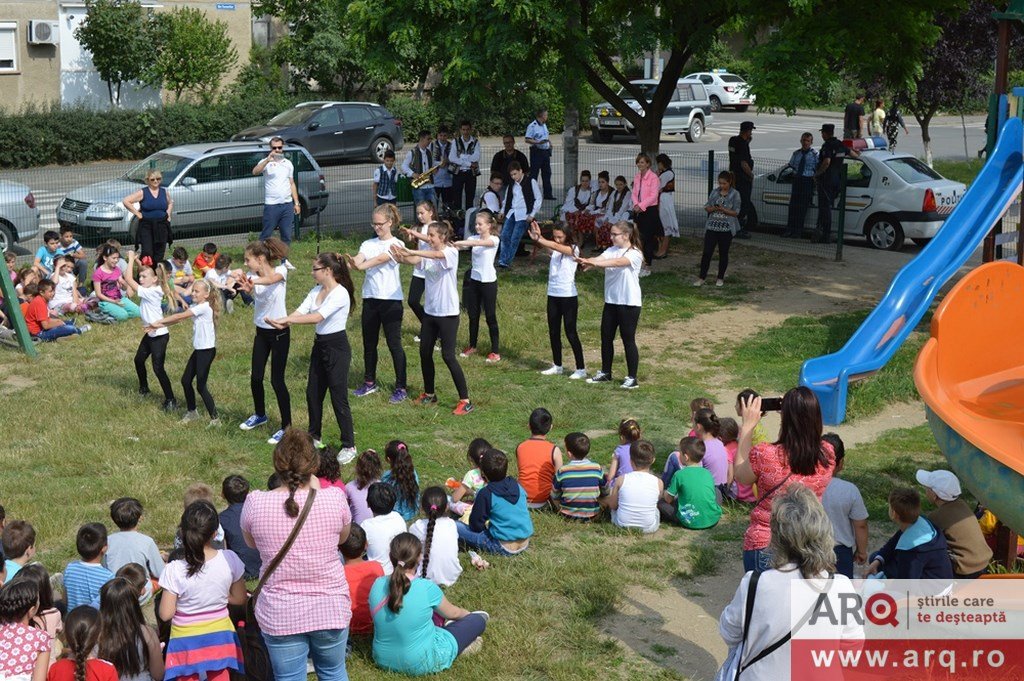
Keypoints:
(155, 347)
(564, 311)
(467, 629)
(447, 329)
(329, 361)
(649, 224)
(721, 240)
(198, 369)
(624, 319)
(386, 314)
(477, 292)
(416, 287)
(152, 238)
(272, 344)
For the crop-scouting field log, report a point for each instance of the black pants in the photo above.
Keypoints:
(463, 188)
(272, 344)
(667, 512)
(712, 239)
(416, 287)
(447, 329)
(564, 311)
(649, 224)
(827, 192)
(540, 166)
(329, 361)
(744, 185)
(477, 294)
(152, 237)
(799, 202)
(466, 630)
(624, 319)
(198, 370)
(155, 347)
(383, 314)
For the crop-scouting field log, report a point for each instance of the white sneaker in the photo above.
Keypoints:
(554, 370)
(645, 272)
(474, 647)
(698, 283)
(84, 327)
(719, 283)
(229, 306)
(190, 416)
(630, 384)
(288, 265)
(214, 423)
(346, 455)
(415, 339)
(578, 374)
(275, 439)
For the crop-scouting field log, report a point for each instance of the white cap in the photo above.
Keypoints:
(943, 483)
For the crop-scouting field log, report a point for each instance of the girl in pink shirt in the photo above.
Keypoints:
(646, 198)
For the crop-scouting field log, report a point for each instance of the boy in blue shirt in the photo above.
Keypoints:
(83, 578)
(43, 264)
(917, 550)
(69, 246)
(500, 521)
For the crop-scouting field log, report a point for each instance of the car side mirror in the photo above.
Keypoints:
(312, 126)
(189, 182)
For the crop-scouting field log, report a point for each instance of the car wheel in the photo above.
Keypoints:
(742, 107)
(884, 233)
(6, 237)
(380, 146)
(696, 130)
(716, 103)
(922, 242)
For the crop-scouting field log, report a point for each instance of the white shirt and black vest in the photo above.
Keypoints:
(464, 154)
(417, 162)
(387, 182)
(522, 199)
(576, 199)
(440, 151)
(491, 200)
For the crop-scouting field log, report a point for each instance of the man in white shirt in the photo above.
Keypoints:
(280, 195)
(465, 160)
(417, 161)
(522, 203)
(540, 151)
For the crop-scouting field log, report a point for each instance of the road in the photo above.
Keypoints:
(350, 183)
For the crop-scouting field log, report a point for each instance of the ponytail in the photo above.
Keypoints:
(488, 215)
(629, 430)
(212, 297)
(164, 280)
(405, 551)
(706, 419)
(403, 471)
(199, 524)
(339, 270)
(81, 632)
(434, 503)
(271, 249)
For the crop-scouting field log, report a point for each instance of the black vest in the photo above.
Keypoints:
(388, 181)
(483, 203)
(598, 203)
(439, 151)
(527, 186)
(417, 159)
(619, 198)
(463, 148)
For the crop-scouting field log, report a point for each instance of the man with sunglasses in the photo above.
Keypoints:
(281, 197)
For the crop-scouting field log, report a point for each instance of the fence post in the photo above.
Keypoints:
(17, 319)
(841, 222)
(711, 171)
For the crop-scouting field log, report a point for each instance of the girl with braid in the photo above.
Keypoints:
(440, 538)
(24, 650)
(79, 662)
(403, 478)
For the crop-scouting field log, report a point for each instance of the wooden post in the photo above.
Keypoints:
(1006, 546)
(10, 297)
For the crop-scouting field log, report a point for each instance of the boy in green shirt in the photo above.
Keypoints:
(691, 499)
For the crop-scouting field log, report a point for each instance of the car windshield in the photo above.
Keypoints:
(912, 171)
(299, 114)
(730, 78)
(168, 165)
(647, 89)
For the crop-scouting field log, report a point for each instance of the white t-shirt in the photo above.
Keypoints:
(333, 308)
(178, 273)
(421, 246)
(562, 274)
(622, 284)
(206, 590)
(492, 202)
(269, 299)
(483, 259)
(204, 335)
(380, 530)
(441, 297)
(638, 502)
(64, 291)
(277, 186)
(444, 567)
(151, 299)
(216, 278)
(383, 282)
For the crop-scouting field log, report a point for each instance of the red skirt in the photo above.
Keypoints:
(581, 222)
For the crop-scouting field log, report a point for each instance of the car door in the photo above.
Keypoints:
(359, 129)
(246, 211)
(677, 114)
(325, 133)
(203, 198)
(860, 194)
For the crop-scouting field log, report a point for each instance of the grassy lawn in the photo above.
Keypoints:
(960, 171)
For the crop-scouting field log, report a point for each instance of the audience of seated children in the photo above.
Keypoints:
(472, 482)
(691, 498)
(629, 432)
(78, 661)
(206, 259)
(360, 575)
(385, 525)
(47, 617)
(440, 537)
(129, 545)
(83, 578)
(716, 460)
(579, 483)
(24, 650)
(968, 550)
(846, 511)
(402, 477)
(19, 542)
(500, 521)
(917, 550)
(633, 497)
(367, 471)
(729, 431)
(537, 459)
(235, 490)
(125, 639)
(44, 324)
(69, 247)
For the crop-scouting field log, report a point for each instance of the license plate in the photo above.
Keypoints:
(613, 122)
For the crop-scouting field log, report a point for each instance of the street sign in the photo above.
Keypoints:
(226, 5)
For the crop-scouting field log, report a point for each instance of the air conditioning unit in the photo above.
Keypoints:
(43, 32)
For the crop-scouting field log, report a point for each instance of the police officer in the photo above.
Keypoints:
(828, 175)
(741, 165)
(804, 163)
(539, 140)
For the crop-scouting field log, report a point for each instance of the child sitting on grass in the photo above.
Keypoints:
(729, 432)
(537, 460)
(385, 525)
(360, 575)
(440, 559)
(235, 490)
(329, 470)
(403, 479)
(79, 660)
(917, 550)
(138, 577)
(696, 404)
(472, 482)
(181, 268)
(19, 542)
(500, 522)
(746, 395)
(629, 432)
(633, 497)
(66, 298)
(129, 545)
(691, 499)
(845, 508)
(206, 259)
(579, 483)
(24, 650)
(368, 470)
(47, 615)
(716, 459)
(44, 324)
(83, 578)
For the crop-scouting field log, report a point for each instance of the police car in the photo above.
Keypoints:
(725, 89)
(890, 197)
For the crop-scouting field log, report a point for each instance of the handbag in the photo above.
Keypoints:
(254, 651)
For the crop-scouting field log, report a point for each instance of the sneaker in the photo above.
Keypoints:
(276, 437)
(83, 328)
(553, 370)
(493, 358)
(415, 339)
(719, 283)
(467, 352)
(170, 405)
(214, 423)
(143, 392)
(346, 455)
(463, 408)
(319, 445)
(6, 333)
(482, 613)
(254, 421)
(578, 374)
(698, 283)
(630, 384)
(287, 264)
(474, 647)
(365, 389)
(190, 416)
(400, 395)
(600, 377)
(645, 272)
(425, 399)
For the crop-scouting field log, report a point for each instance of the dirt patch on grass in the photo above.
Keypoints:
(13, 383)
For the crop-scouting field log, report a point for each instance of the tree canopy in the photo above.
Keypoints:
(116, 33)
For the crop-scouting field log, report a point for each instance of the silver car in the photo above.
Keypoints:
(213, 189)
(19, 216)
(688, 112)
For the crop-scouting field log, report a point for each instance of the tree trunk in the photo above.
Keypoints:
(649, 133)
(571, 145)
(963, 126)
(924, 121)
(421, 84)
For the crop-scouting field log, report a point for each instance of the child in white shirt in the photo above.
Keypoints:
(385, 525)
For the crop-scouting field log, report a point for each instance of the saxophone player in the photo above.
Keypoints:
(417, 163)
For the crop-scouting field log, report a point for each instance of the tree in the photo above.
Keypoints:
(117, 34)
(192, 53)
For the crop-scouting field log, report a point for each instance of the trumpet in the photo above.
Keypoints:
(424, 177)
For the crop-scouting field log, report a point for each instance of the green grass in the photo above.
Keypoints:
(960, 171)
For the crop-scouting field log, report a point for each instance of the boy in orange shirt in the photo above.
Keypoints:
(206, 259)
(38, 320)
(360, 575)
(537, 459)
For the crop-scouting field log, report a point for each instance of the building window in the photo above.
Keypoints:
(8, 46)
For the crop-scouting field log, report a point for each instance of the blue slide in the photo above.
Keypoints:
(916, 285)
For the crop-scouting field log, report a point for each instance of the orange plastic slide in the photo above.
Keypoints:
(970, 375)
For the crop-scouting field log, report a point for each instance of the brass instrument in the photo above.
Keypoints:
(424, 177)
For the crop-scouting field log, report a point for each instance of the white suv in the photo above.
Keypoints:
(725, 89)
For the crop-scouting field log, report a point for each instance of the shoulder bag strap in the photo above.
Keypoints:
(376, 608)
(751, 592)
(773, 489)
(299, 522)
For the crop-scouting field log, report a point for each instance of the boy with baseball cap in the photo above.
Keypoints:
(968, 550)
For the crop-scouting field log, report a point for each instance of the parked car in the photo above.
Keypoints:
(688, 113)
(889, 197)
(212, 185)
(725, 89)
(333, 130)
(19, 216)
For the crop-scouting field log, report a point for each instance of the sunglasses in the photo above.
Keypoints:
(276, 148)
(155, 179)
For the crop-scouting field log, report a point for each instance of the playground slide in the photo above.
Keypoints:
(970, 375)
(914, 286)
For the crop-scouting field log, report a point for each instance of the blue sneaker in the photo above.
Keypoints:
(254, 421)
(400, 395)
(276, 437)
(365, 389)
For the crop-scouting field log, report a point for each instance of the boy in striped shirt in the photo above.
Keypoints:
(579, 483)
